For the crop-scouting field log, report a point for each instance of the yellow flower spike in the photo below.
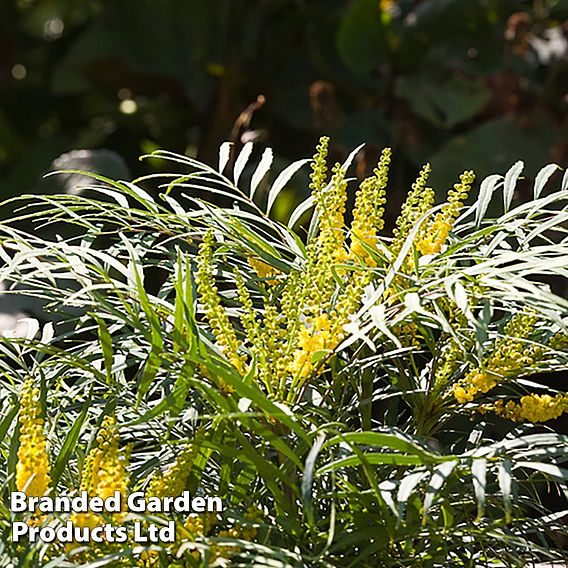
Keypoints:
(200, 524)
(312, 294)
(248, 313)
(407, 334)
(308, 293)
(512, 355)
(214, 311)
(265, 338)
(331, 205)
(319, 167)
(273, 355)
(104, 471)
(533, 408)
(238, 531)
(253, 516)
(437, 232)
(327, 249)
(195, 525)
(447, 364)
(367, 223)
(321, 334)
(369, 209)
(419, 200)
(32, 468)
(109, 464)
(317, 283)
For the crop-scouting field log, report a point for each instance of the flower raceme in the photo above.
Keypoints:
(107, 472)
(533, 408)
(419, 200)
(104, 471)
(369, 210)
(438, 230)
(214, 311)
(32, 469)
(514, 355)
(511, 356)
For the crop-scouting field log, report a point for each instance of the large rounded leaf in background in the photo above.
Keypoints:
(361, 39)
(492, 148)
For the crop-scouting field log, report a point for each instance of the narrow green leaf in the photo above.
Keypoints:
(479, 479)
(395, 442)
(509, 184)
(307, 479)
(488, 187)
(439, 477)
(106, 346)
(542, 177)
(70, 443)
(261, 170)
(241, 161)
(506, 485)
(372, 458)
(281, 181)
(8, 419)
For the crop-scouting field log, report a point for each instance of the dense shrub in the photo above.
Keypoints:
(355, 399)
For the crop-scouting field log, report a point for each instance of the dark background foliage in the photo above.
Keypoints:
(461, 83)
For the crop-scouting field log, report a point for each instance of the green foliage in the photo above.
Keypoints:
(369, 460)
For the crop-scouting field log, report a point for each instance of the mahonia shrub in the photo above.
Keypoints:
(354, 397)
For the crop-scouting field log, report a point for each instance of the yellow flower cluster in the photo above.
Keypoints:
(172, 482)
(32, 469)
(451, 353)
(104, 471)
(447, 364)
(407, 334)
(559, 341)
(248, 314)
(475, 382)
(318, 336)
(437, 232)
(331, 207)
(318, 176)
(420, 199)
(218, 320)
(326, 250)
(533, 408)
(512, 355)
(199, 526)
(311, 297)
(108, 471)
(369, 210)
